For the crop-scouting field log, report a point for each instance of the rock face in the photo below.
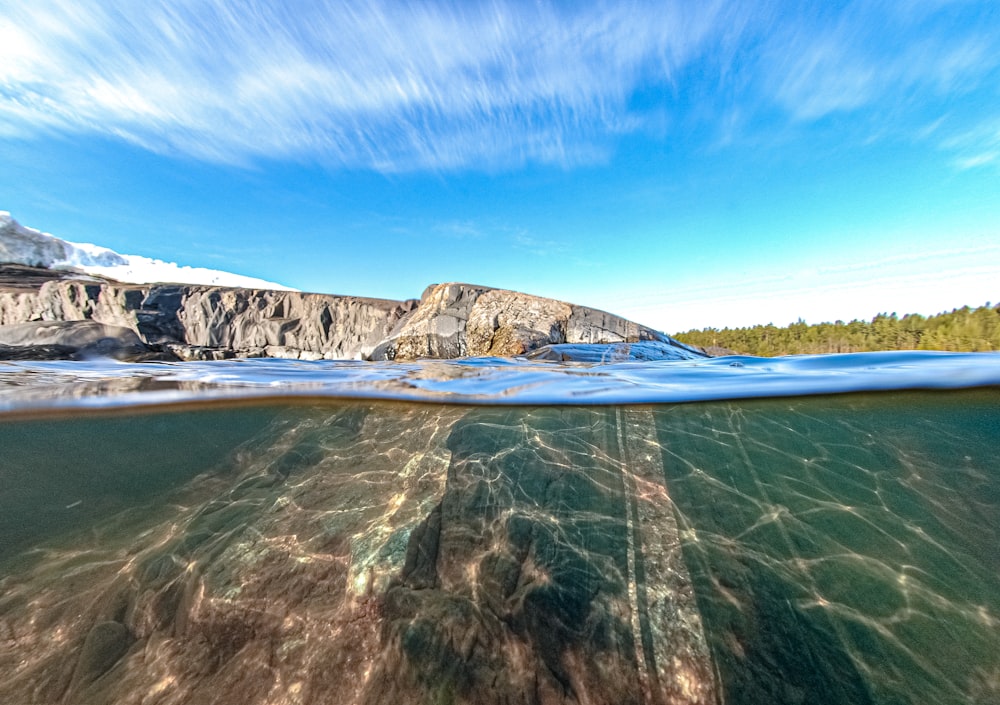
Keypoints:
(457, 320)
(256, 323)
(208, 322)
(71, 340)
(204, 322)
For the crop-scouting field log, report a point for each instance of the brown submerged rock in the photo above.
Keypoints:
(366, 555)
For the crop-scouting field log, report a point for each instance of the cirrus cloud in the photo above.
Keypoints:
(396, 86)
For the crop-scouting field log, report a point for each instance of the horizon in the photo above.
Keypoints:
(684, 167)
(147, 271)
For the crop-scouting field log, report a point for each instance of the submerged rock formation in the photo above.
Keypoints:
(212, 322)
(349, 555)
(829, 550)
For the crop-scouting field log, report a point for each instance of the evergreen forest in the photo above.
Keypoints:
(962, 330)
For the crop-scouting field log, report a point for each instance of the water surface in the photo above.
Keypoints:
(495, 381)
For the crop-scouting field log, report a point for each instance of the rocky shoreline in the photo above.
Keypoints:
(50, 314)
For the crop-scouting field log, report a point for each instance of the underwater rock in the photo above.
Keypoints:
(375, 554)
(105, 644)
(825, 549)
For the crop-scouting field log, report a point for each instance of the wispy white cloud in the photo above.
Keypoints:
(398, 86)
(459, 229)
(539, 246)
(977, 146)
(977, 160)
(500, 235)
(380, 85)
(873, 54)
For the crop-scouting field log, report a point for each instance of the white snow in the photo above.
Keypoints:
(22, 245)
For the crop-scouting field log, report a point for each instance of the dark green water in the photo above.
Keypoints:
(844, 549)
(827, 549)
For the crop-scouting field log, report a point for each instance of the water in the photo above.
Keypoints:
(491, 531)
(47, 386)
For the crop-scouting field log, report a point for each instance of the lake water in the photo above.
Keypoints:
(736, 530)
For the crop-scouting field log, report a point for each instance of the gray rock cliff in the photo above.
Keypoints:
(211, 322)
(205, 322)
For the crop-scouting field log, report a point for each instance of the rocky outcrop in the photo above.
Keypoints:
(251, 322)
(205, 322)
(73, 300)
(457, 320)
(71, 340)
(210, 322)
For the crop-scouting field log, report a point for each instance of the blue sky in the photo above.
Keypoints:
(685, 164)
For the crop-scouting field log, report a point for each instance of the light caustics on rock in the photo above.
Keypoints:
(370, 554)
(815, 549)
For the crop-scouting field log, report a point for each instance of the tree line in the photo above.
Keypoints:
(961, 330)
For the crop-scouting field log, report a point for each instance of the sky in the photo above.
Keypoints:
(683, 164)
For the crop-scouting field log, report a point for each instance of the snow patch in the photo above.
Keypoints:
(23, 245)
